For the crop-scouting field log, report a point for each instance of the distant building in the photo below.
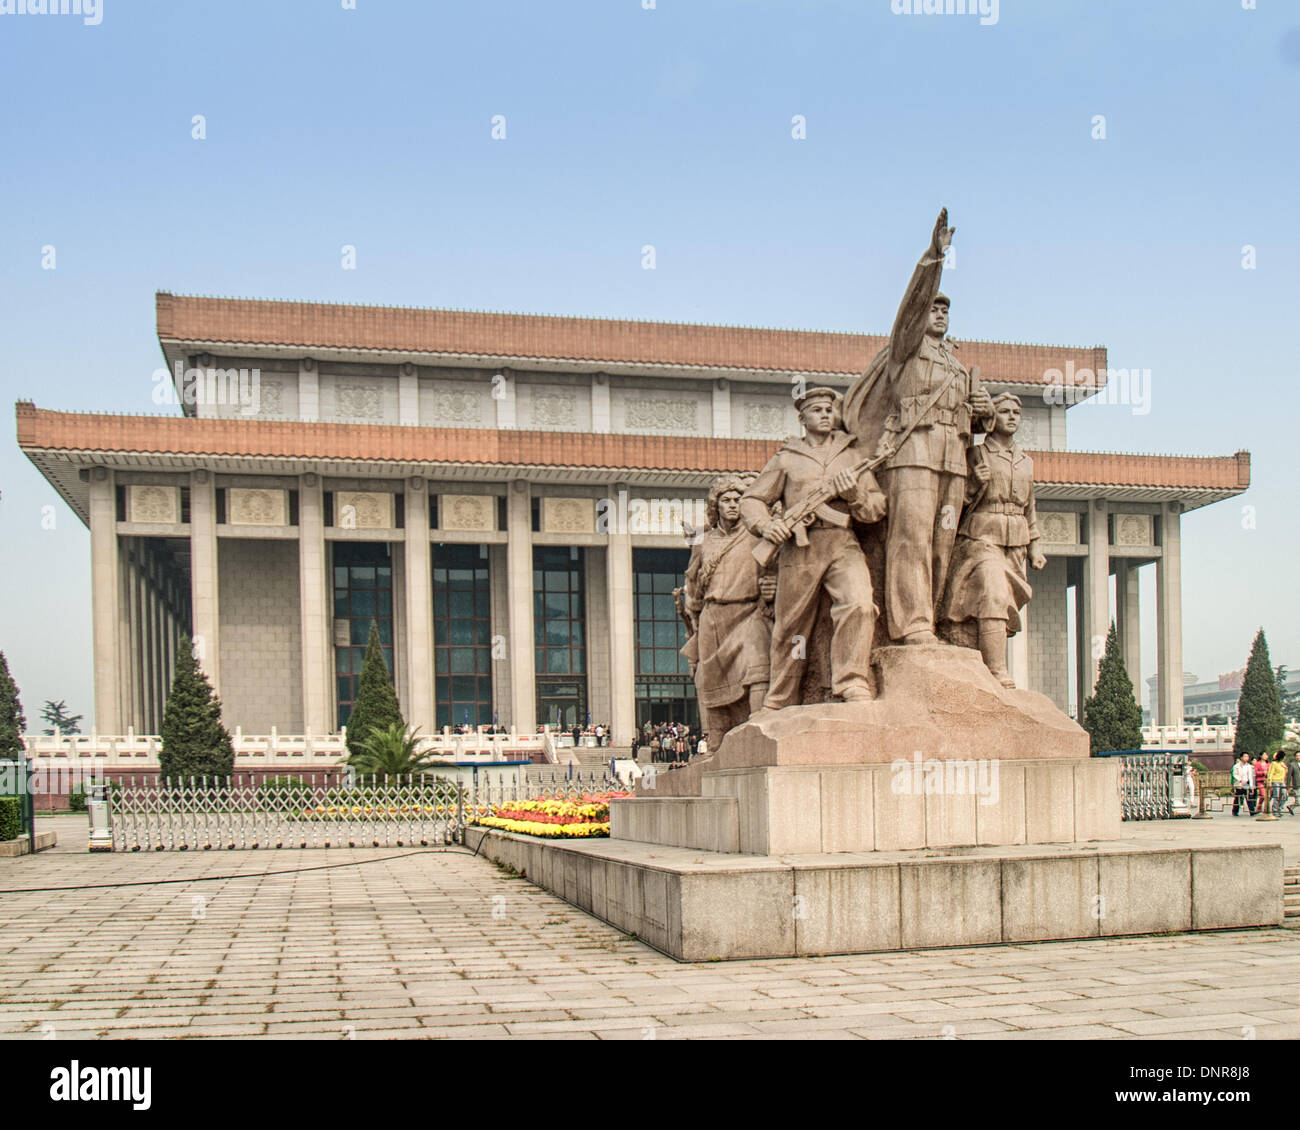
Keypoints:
(1216, 698)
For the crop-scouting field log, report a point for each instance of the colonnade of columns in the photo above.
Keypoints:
(132, 623)
(1094, 611)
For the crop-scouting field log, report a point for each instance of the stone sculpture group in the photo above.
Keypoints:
(887, 498)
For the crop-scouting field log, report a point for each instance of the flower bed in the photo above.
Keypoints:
(553, 817)
(381, 811)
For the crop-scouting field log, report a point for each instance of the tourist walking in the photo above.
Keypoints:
(1293, 781)
(1243, 785)
(1260, 765)
(1277, 783)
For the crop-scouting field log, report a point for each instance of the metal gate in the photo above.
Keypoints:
(209, 814)
(1152, 785)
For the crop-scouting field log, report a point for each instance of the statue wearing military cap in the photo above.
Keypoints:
(918, 406)
(824, 489)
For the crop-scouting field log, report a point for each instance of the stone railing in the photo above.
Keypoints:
(286, 752)
(1208, 739)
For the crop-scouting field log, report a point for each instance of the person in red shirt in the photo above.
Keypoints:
(1260, 765)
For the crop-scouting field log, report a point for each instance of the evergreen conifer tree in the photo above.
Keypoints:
(194, 742)
(1260, 727)
(12, 720)
(56, 717)
(1112, 715)
(1290, 699)
(376, 703)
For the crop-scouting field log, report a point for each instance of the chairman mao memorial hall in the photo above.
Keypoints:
(504, 496)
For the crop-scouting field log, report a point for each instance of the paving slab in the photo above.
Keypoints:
(387, 944)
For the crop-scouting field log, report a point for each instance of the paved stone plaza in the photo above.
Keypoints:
(397, 944)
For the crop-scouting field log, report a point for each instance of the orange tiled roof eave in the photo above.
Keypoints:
(390, 329)
(45, 430)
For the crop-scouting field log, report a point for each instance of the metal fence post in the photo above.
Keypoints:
(101, 837)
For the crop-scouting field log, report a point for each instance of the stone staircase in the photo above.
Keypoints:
(1291, 896)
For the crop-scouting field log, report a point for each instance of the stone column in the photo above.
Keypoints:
(419, 609)
(308, 390)
(600, 422)
(153, 713)
(125, 641)
(1169, 618)
(1095, 598)
(622, 627)
(104, 586)
(408, 396)
(315, 610)
(721, 409)
(1129, 621)
(503, 395)
(146, 615)
(203, 575)
(138, 693)
(519, 566)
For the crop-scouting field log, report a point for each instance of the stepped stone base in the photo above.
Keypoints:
(706, 906)
(808, 808)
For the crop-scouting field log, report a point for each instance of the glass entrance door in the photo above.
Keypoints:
(561, 705)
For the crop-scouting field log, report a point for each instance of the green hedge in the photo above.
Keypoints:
(11, 817)
(77, 798)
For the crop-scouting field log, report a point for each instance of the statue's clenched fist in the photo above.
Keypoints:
(777, 532)
(846, 485)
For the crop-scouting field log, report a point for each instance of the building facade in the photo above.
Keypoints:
(1216, 698)
(503, 497)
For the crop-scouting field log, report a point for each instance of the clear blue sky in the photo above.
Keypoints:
(670, 126)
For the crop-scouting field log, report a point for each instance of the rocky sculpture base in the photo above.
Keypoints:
(935, 699)
(945, 756)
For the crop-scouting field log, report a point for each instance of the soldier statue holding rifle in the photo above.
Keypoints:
(825, 486)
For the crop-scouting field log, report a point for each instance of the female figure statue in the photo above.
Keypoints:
(997, 536)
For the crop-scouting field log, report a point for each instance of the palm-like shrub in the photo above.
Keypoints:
(390, 751)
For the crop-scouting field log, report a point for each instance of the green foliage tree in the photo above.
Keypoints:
(376, 703)
(56, 717)
(1260, 727)
(1111, 715)
(391, 752)
(194, 742)
(1290, 699)
(12, 720)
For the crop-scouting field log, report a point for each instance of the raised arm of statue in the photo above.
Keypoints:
(913, 312)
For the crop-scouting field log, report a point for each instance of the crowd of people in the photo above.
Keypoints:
(1264, 784)
(600, 732)
(673, 743)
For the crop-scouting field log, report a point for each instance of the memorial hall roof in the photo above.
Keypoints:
(188, 324)
(63, 444)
